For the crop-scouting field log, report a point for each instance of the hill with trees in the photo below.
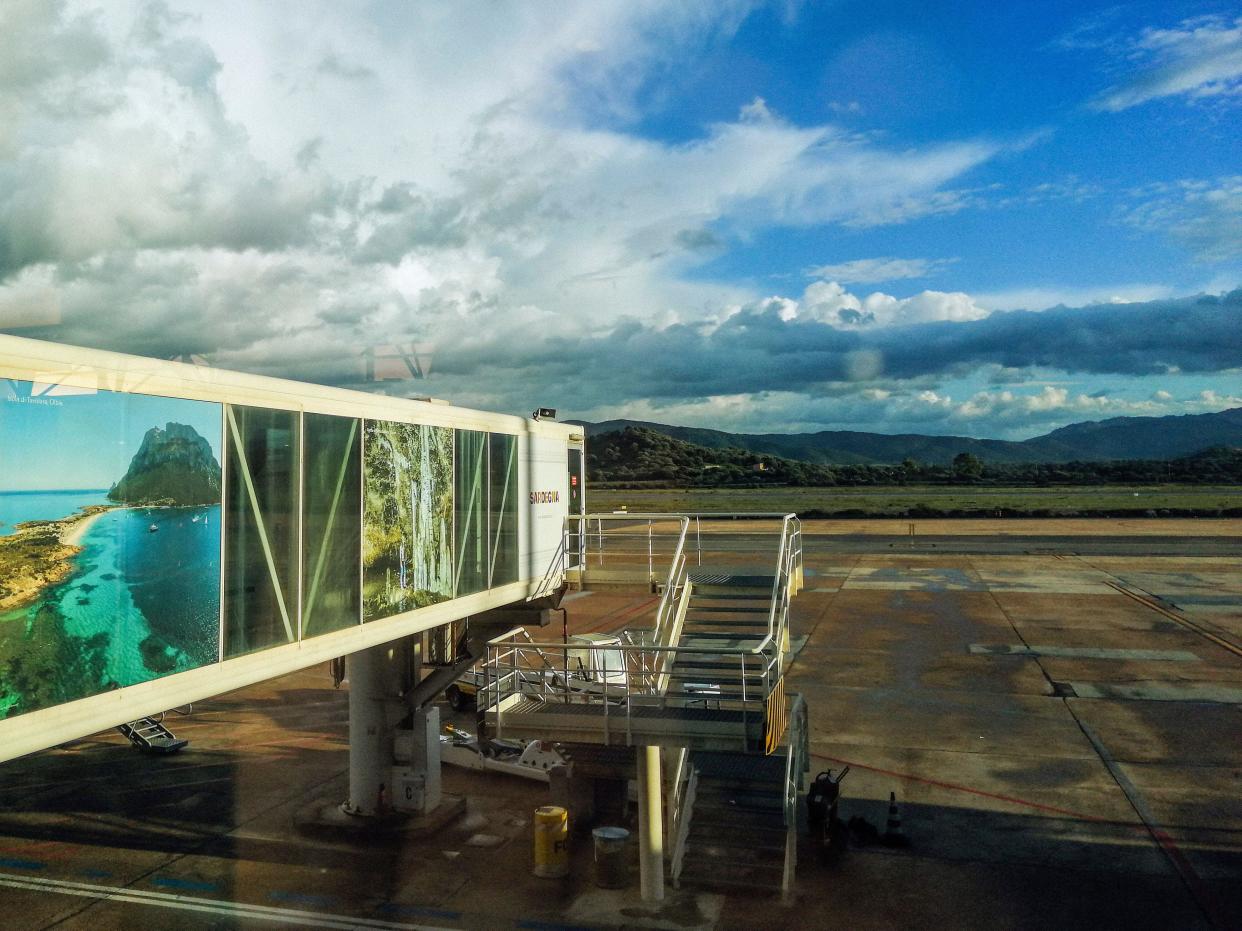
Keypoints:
(637, 456)
(1143, 438)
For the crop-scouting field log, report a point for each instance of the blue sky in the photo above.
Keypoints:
(970, 218)
(84, 441)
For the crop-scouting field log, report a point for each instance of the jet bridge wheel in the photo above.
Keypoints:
(457, 699)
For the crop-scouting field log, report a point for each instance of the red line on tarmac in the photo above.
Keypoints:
(1203, 896)
(960, 788)
(621, 614)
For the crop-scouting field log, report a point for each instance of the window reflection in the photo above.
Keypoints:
(261, 530)
(332, 523)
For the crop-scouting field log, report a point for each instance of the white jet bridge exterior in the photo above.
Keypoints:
(171, 532)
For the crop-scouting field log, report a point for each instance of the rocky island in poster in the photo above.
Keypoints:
(407, 517)
(109, 541)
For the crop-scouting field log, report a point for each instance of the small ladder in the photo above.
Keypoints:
(151, 736)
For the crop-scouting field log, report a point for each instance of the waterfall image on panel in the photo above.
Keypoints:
(407, 517)
(109, 541)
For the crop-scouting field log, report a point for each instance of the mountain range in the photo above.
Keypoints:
(1166, 437)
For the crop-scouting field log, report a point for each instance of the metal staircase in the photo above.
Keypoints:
(736, 832)
(151, 736)
(736, 821)
(707, 676)
(705, 682)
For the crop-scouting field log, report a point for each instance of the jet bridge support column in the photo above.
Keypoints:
(370, 739)
(650, 825)
(381, 692)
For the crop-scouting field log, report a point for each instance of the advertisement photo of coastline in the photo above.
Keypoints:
(109, 541)
(407, 524)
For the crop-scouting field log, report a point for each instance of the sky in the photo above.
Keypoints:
(971, 218)
(54, 438)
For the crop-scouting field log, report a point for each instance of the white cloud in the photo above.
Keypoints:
(1204, 214)
(1041, 298)
(439, 176)
(874, 271)
(829, 302)
(1199, 58)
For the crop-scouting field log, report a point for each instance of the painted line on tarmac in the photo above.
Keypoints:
(186, 903)
(1185, 870)
(186, 885)
(996, 796)
(16, 864)
(1022, 649)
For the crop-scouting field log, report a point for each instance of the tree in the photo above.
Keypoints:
(967, 465)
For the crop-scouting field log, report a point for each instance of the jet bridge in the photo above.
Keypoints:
(172, 532)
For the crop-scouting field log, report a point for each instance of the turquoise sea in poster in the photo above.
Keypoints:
(140, 604)
(130, 592)
(16, 507)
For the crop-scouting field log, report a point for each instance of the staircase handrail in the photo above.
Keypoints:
(554, 575)
(673, 582)
(796, 758)
(681, 833)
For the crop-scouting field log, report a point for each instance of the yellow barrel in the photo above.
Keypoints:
(551, 841)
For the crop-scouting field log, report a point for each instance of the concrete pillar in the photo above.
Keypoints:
(650, 825)
(370, 751)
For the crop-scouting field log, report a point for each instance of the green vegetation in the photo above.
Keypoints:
(643, 470)
(38, 555)
(407, 532)
(934, 501)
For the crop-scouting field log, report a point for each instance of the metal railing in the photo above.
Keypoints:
(797, 764)
(680, 829)
(615, 679)
(554, 575)
(619, 679)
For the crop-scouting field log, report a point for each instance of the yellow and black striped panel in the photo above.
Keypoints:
(775, 718)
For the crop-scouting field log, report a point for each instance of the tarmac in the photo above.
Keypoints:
(1063, 734)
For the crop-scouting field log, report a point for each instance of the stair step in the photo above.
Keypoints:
(738, 849)
(745, 625)
(756, 805)
(745, 825)
(688, 660)
(717, 873)
(697, 605)
(709, 691)
(713, 589)
(717, 769)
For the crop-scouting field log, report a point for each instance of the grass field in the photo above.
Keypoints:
(899, 501)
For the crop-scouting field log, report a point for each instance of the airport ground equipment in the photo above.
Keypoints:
(531, 759)
(830, 833)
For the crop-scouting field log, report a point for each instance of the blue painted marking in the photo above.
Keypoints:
(96, 874)
(303, 897)
(533, 925)
(22, 864)
(420, 911)
(170, 882)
